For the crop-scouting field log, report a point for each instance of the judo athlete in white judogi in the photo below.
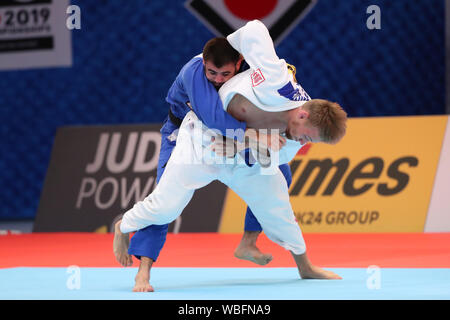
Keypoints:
(267, 97)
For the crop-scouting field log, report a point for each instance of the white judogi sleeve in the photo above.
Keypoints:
(271, 82)
(267, 84)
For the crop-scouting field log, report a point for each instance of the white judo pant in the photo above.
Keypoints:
(192, 167)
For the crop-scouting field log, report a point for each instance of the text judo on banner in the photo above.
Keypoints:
(96, 173)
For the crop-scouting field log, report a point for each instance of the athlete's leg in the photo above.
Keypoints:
(268, 197)
(163, 205)
(147, 243)
(182, 176)
(247, 249)
(251, 223)
(155, 234)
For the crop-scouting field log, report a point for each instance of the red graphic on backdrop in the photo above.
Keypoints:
(251, 9)
(223, 17)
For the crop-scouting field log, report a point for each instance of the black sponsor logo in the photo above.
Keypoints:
(44, 43)
(368, 169)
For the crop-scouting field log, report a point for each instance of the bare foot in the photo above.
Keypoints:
(120, 246)
(143, 276)
(318, 273)
(247, 249)
(142, 284)
(309, 271)
(252, 253)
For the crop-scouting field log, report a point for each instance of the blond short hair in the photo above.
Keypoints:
(329, 117)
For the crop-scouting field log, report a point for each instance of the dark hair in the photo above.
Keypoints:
(220, 52)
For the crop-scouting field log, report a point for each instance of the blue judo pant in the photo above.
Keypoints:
(149, 241)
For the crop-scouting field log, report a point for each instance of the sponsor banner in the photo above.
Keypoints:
(438, 217)
(33, 34)
(379, 178)
(223, 17)
(97, 173)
